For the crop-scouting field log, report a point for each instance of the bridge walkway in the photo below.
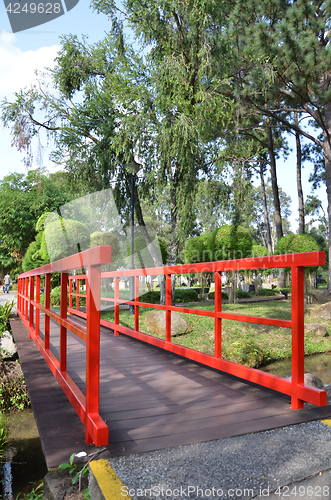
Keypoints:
(150, 399)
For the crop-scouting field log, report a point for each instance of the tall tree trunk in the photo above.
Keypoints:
(143, 228)
(275, 193)
(274, 184)
(327, 155)
(299, 181)
(147, 238)
(265, 210)
(173, 247)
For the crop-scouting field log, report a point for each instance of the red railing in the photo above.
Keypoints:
(89, 411)
(29, 307)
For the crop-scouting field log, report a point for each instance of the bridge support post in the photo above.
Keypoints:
(95, 429)
(218, 309)
(298, 330)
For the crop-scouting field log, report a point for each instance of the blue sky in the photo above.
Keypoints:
(21, 53)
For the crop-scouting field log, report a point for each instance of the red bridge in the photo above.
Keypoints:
(132, 397)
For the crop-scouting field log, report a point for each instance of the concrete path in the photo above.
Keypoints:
(5, 297)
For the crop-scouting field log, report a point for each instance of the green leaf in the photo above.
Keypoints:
(72, 458)
(64, 466)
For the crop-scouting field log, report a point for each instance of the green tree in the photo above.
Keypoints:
(230, 242)
(32, 258)
(170, 126)
(260, 251)
(198, 249)
(23, 199)
(143, 258)
(63, 237)
(297, 243)
(285, 56)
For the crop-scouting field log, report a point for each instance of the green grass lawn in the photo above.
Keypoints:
(271, 342)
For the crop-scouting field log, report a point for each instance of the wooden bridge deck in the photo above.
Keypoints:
(149, 398)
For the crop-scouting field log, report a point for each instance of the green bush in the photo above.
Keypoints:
(197, 249)
(13, 390)
(186, 295)
(211, 295)
(102, 238)
(259, 251)
(267, 292)
(296, 243)
(153, 297)
(4, 316)
(56, 298)
(64, 237)
(230, 242)
(142, 255)
(243, 295)
(32, 258)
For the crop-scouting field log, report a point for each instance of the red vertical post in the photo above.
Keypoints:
(93, 293)
(63, 315)
(22, 296)
(77, 297)
(168, 303)
(27, 298)
(18, 305)
(116, 304)
(298, 327)
(31, 299)
(47, 307)
(218, 309)
(70, 295)
(136, 307)
(38, 302)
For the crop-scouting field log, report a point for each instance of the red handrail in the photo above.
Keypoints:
(28, 304)
(87, 406)
(295, 387)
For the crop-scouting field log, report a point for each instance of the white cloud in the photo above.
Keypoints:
(17, 71)
(17, 67)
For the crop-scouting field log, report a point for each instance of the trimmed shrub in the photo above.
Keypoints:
(32, 257)
(63, 238)
(197, 249)
(99, 238)
(211, 295)
(186, 295)
(143, 257)
(267, 292)
(243, 295)
(229, 242)
(296, 243)
(259, 251)
(153, 297)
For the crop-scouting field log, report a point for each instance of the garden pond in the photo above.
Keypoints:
(22, 462)
(317, 364)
